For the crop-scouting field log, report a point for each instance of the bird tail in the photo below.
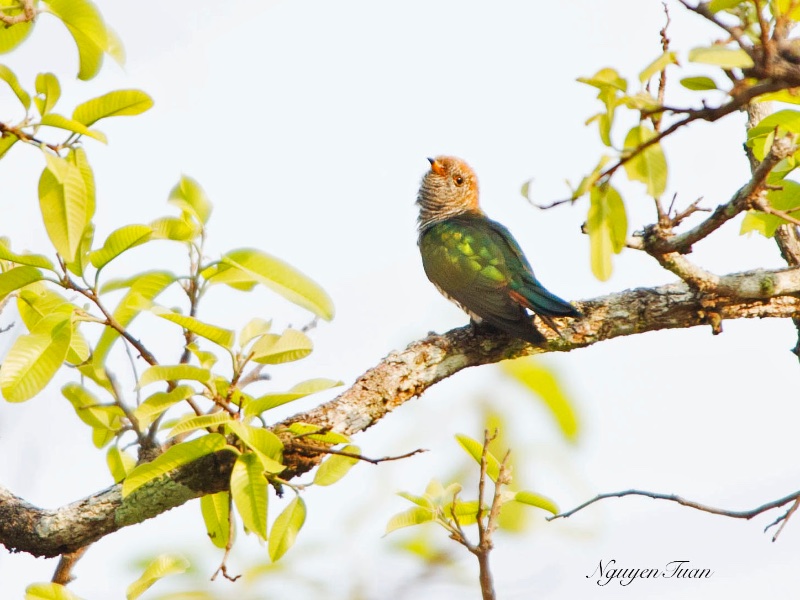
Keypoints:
(544, 303)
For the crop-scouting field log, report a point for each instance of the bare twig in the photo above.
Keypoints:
(741, 200)
(374, 461)
(63, 573)
(223, 567)
(6, 129)
(28, 13)
(735, 514)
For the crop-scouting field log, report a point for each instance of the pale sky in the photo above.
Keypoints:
(308, 124)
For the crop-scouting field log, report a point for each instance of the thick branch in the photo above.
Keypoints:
(398, 378)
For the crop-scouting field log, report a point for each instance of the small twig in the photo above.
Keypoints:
(223, 567)
(63, 573)
(552, 204)
(6, 129)
(741, 200)
(783, 520)
(373, 461)
(702, 10)
(117, 393)
(662, 81)
(310, 325)
(680, 217)
(28, 13)
(766, 208)
(253, 376)
(735, 514)
(132, 360)
(766, 42)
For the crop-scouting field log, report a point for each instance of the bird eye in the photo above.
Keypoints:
(458, 179)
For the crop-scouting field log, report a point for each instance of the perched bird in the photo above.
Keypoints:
(476, 262)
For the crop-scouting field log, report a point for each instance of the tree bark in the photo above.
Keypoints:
(399, 377)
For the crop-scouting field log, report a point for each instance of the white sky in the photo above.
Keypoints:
(308, 124)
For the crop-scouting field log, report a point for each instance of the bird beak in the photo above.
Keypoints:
(436, 166)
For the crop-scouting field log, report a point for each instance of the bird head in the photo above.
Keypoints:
(448, 189)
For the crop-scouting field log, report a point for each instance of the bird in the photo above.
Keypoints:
(474, 261)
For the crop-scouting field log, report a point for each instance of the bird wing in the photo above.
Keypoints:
(468, 262)
(524, 283)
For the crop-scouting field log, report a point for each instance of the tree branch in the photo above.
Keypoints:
(794, 498)
(398, 378)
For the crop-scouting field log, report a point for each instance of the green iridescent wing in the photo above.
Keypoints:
(478, 264)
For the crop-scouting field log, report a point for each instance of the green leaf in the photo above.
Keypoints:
(155, 404)
(785, 199)
(699, 83)
(87, 28)
(787, 8)
(193, 423)
(37, 301)
(475, 450)
(191, 198)
(120, 463)
(649, 166)
(206, 359)
(301, 390)
(62, 122)
(174, 373)
(32, 260)
(607, 226)
(249, 491)
(263, 442)
(162, 566)
(17, 278)
(543, 382)
(217, 517)
(275, 349)
(604, 78)
(422, 501)
(77, 157)
(176, 456)
(536, 500)
(249, 265)
(465, 513)
(65, 205)
(218, 335)
(609, 84)
(286, 527)
(48, 91)
(717, 5)
(721, 56)
(115, 48)
(48, 591)
(13, 36)
(333, 468)
(173, 228)
(118, 103)
(254, 328)
(35, 358)
(658, 65)
(790, 96)
(784, 121)
(90, 410)
(9, 140)
(309, 431)
(79, 348)
(407, 518)
(10, 78)
(119, 241)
